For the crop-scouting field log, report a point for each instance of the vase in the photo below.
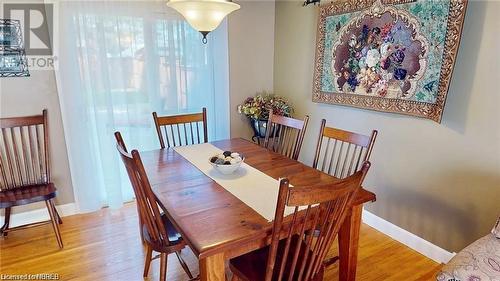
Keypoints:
(259, 127)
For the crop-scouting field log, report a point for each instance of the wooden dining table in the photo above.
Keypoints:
(218, 226)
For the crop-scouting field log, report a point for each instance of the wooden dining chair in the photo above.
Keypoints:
(157, 230)
(178, 129)
(340, 153)
(285, 135)
(295, 253)
(25, 169)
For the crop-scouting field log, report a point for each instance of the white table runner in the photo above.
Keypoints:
(254, 188)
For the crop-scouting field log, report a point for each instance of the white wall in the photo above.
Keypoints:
(23, 96)
(251, 57)
(438, 181)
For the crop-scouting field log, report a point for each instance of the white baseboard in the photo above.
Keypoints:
(411, 240)
(39, 215)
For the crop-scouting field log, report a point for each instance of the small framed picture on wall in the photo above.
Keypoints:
(13, 62)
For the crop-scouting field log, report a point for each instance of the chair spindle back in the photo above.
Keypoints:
(284, 135)
(149, 212)
(180, 130)
(340, 153)
(24, 151)
(324, 209)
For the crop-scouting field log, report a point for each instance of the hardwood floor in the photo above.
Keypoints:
(105, 245)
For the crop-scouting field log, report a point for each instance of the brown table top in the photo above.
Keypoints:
(209, 217)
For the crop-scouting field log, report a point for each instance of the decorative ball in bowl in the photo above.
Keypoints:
(227, 162)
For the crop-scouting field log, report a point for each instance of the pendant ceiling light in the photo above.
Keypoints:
(204, 15)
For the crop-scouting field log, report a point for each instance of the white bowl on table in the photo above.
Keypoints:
(227, 169)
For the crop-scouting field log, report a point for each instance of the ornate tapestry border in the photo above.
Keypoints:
(414, 108)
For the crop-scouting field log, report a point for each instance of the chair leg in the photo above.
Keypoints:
(5, 227)
(184, 265)
(330, 261)
(149, 253)
(163, 266)
(319, 276)
(59, 220)
(55, 224)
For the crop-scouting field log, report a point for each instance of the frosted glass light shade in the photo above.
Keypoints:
(203, 15)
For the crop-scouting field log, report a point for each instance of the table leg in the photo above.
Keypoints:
(212, 268)
(348, 244)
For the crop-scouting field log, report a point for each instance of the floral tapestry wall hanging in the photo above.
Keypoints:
(392, 56)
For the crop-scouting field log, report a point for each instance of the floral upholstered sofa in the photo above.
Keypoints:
(480, 261)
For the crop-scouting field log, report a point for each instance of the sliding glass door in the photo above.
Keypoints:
(117, 63)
